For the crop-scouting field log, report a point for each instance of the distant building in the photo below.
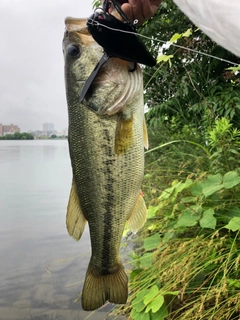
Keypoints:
(48, 129)
(8, 129)
(37, 133)
(64, 132)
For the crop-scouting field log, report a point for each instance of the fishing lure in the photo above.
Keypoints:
(118, 39)
(124, 45)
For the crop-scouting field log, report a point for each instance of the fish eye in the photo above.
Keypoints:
(73, 50)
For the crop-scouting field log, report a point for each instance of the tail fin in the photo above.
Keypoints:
(98, 289)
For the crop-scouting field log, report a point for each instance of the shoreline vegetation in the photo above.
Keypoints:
(186, 262)
(29, 136)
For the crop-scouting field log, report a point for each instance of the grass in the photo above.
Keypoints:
(192, 272)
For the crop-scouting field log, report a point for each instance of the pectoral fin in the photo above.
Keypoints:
(124, 135)
(75, 219)
(139, 214)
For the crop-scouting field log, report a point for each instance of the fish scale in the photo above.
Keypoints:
(107, 156)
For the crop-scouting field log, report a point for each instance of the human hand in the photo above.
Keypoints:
(140, 10)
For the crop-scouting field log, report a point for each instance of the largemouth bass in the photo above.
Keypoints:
(106, 136)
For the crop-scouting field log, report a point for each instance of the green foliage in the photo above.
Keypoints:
(96, 3)
(191, 252)
(186, 86)
(188, 264)
(201, 203)
(17, 136)
(150, 304)
(224, 141)
(234, 69)
(204, 273)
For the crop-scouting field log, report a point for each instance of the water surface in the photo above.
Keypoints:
(41, 267)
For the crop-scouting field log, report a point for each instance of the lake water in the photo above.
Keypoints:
(42, 268)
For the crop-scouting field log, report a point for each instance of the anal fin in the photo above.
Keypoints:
(75, 219)
(139, 214)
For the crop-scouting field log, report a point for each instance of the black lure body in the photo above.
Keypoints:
(124, 45)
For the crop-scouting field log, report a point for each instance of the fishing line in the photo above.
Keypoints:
(162, 41)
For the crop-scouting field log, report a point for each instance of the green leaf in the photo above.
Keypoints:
(135, 273)
(164, 58)
(187, 33)
(137, 303)
(152, 210)
(161, 314)
(233, 283)
(208, 220)
(197, 208)
(155, 304)
(233, 224)
(232, 113)
(153, 292)
(233, 212)
(231, 179)
(188, 199)
(181, 186)
(233, 151)
(196, 189)
(146, 260)
(210, 189)
(134, 313)
(212, 184)
(144, 316)
(167, 236)
(234, 68)
(152, 242)
(140, 316)
(217, 178)
(175, 37)
(166, 194)
(187, 219)
(173, 293)
(125, 232)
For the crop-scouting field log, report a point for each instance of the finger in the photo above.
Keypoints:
(155, 4)
(127, 9)
(137, 10)
(140, 9)
(147, 9)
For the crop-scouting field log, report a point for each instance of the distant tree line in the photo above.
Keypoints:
(17, 136)
(54, 136)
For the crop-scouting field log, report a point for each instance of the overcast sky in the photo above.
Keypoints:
(31, 62)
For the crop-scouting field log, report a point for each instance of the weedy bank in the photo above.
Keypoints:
(188, 264)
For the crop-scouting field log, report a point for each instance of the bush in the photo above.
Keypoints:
(188, 264)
